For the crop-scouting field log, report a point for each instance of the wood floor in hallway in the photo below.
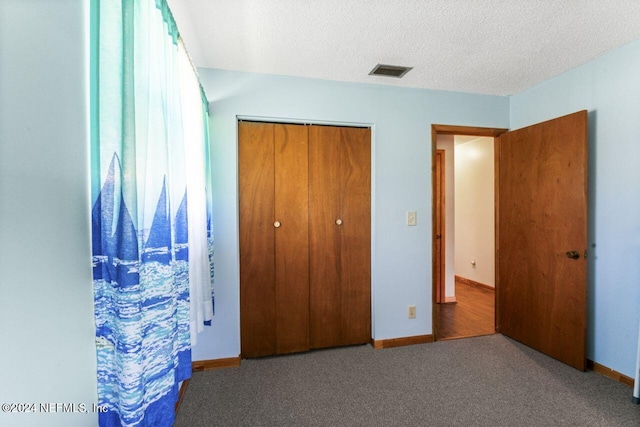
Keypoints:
(472, 315)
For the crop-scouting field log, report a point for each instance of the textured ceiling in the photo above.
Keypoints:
(499, 47)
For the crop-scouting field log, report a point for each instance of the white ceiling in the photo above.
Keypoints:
(498, 47)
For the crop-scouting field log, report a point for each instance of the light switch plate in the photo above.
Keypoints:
(411, 218)
(412, 312)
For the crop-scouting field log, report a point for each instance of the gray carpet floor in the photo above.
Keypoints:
(483, 381)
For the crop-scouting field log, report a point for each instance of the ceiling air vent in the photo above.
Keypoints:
(389, 70)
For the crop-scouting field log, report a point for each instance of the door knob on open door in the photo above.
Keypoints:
(573, 254)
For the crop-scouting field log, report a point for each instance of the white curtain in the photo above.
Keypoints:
(200, 294)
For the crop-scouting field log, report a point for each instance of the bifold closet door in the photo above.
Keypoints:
(292, 238)
(256, 174)
(274, 260)
(339, 235)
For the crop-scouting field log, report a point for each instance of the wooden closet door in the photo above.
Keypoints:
(339, 235)
(324, 236)
(256, 175)
(355, 244)
(292, 238)
(274, 239)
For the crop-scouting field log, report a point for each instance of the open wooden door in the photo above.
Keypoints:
(542, 237)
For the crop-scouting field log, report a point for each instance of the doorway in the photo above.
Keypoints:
(463, 237)
(541, 234)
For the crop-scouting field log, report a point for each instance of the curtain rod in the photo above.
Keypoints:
(184, 46)
(193, 67)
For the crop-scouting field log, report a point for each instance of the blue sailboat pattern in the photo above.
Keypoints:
(211, 270)
(141, 291)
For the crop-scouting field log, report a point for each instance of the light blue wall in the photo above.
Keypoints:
(609, 88)
(47, 342)
(401, 119)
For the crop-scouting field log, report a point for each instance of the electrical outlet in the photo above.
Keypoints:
(411, 218)
(412, 312)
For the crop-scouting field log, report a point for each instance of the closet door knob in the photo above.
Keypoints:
(338, 221)
(276, 224)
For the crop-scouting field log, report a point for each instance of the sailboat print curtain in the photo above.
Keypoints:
(151, 225)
